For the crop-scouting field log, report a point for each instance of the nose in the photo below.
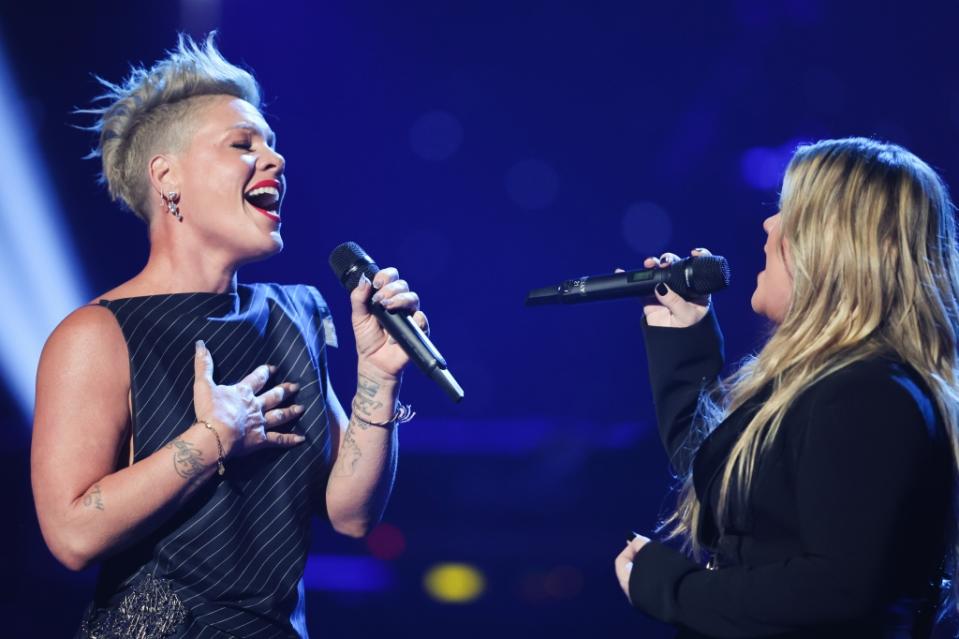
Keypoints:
(270, 160)
(769, 221)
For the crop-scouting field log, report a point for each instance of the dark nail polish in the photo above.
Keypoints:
(661, 289)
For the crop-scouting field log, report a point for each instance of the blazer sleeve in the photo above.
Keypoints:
(682, 363)
(859, 463)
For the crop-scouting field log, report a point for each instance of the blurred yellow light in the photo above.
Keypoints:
(454, 583)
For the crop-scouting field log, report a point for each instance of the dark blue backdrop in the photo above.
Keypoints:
(484, 149)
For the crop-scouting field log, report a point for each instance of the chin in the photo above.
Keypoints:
(263, 250)
(274, 246)
(756, 302)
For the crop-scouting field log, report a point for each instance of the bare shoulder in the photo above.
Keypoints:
(87, 355)
(90, 334)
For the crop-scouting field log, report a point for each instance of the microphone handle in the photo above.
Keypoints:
(606, 287)
(613, 286)
(419, 347)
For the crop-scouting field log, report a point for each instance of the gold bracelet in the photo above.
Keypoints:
(220, 468)
(402, 414)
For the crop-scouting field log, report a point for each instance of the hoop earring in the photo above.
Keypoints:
(171, 199)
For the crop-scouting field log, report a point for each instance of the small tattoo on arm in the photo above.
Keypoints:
(366, 386)
(350, 454)
(365, 401)
(365, 406)
(187, 460)
(94, 498)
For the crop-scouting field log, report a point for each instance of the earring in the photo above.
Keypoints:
(171, 199)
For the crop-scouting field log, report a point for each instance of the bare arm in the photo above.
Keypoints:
(365, 464)
(365, 458)
(86, 507)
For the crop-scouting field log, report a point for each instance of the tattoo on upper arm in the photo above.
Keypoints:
(365, 401)
(94, 498)
(187, 460)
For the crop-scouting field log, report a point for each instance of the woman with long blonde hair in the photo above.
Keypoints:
(819, 476)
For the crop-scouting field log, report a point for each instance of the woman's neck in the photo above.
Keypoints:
(180, 267)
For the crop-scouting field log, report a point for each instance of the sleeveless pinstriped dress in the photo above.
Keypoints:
(230, 562)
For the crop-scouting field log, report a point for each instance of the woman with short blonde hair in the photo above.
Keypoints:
(185, 429)
(820, 481)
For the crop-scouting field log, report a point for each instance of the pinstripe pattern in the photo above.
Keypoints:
(235, 553)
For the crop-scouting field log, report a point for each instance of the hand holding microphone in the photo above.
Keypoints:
(672, 310)
(680, 286)
(393, 309)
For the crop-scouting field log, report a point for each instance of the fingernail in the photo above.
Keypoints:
(294, 387)
(377, 285)
(299, 439)
(364, 282)
(200, 345)
(271, 368)
(388, 302)
(298, 409)
(376, 297)
(661, 289)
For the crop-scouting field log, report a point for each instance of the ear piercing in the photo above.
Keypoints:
(171, 199)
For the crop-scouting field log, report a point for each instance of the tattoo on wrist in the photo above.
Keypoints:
(187, 460)
(365, 401)
(367, 385)
(94, 498)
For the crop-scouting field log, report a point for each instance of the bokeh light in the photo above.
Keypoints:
(343, 573)
(454, 583)
(386, 542)
(559, 583)
(563, 582)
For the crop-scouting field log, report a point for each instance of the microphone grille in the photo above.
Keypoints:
(349, 262)
(708, 274)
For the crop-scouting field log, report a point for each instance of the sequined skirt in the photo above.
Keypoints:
(146, 609)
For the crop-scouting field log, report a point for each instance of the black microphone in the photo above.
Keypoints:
(690, 277)
(349, 263)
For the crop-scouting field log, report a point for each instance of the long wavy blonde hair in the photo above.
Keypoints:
(873, 256)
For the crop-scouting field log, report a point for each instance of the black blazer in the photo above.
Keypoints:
(845, 530)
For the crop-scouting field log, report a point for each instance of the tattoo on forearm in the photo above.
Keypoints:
(94, 498)
(350, 454)
(187, 460)
(365, 406)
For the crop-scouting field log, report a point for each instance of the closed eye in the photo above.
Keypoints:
(246, 146)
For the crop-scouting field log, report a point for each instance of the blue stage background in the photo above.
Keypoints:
(485, 149)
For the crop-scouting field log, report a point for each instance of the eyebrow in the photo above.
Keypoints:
(246, 126)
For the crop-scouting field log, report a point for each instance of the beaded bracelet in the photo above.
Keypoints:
(220, 468)
(402, 414)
